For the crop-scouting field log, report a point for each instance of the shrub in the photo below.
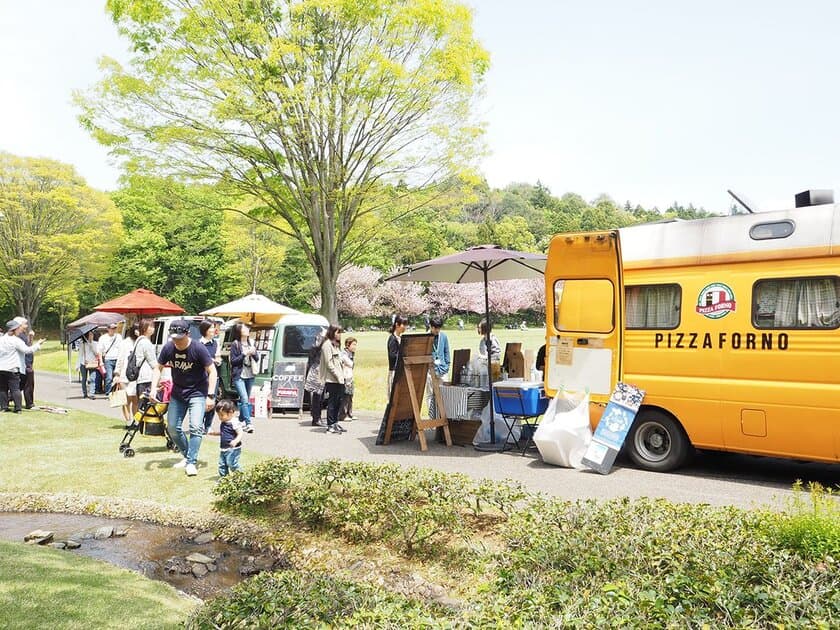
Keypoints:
(652, 563)
(810, 527)
(293, 599)
(264, 483)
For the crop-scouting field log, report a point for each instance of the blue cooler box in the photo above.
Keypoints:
(519, 398)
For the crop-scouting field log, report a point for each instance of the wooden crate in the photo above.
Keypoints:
(462, 432)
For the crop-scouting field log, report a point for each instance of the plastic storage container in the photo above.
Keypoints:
(519, 398)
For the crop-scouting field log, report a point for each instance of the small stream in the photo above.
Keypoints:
(146, 548)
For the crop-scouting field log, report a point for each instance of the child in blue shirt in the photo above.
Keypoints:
(230, 443)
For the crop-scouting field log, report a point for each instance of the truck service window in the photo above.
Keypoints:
(796, 303)
(298, 340)
(653, 306)
(584, 305)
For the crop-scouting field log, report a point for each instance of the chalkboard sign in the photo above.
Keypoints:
(287, 384)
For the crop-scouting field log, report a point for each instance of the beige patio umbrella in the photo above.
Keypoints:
(254, 309)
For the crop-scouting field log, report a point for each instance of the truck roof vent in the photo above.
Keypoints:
(814, 198)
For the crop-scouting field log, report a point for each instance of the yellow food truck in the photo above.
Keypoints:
(730, 324)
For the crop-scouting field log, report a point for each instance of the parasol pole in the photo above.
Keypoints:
(491, 446)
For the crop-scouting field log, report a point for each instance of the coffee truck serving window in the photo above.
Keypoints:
(298, 340)
(584, 305)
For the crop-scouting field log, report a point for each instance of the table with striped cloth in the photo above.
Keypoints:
(460, 402)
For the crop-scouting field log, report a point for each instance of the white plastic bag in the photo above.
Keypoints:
(563, 434)
(482, 436)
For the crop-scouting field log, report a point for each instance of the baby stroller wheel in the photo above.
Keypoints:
(170, 445)
(129, 452)
(123, 447)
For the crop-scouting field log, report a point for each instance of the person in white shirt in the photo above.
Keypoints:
(109, 350)
(12, 364)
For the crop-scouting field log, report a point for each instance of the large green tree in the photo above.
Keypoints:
(174, 244)
(314, 108)
(56, 234)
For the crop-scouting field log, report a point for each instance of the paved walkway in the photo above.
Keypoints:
(712, 479)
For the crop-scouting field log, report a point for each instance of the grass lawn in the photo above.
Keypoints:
(371, 369)
(52, 357)
(77, 453)
(47, 588)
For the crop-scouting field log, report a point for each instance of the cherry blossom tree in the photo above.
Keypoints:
(405, 298)
(358, 291)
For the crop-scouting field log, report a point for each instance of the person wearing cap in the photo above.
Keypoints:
(109, 350)
(193, 384)
(12, 363)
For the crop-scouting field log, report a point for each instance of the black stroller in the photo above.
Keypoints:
(150, 419)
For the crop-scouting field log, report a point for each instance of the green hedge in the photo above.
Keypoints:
(543, 562)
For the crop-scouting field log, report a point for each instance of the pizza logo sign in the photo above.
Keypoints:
(715, 301)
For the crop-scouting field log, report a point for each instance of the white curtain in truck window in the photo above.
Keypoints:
(653, 306)
(807, 302)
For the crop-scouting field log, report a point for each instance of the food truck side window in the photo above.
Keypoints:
(653, 306)
(584, 305)
(784, 303)
(298, 340)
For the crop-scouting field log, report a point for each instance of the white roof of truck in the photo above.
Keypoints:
(816, 232)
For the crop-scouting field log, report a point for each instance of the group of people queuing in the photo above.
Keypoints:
(329, 379)
(17, 375)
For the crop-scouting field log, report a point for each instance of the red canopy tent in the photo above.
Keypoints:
(141, 302)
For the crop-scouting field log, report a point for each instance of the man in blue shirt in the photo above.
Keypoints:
(193, 376)
(440, 360)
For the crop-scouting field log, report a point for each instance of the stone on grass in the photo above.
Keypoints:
(72, 544)
(58, 545)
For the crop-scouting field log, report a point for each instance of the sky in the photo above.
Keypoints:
(647, 101)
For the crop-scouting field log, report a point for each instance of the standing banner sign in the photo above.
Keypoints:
(287, 384)
(613, 427)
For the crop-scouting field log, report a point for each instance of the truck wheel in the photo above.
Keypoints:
(657, 442)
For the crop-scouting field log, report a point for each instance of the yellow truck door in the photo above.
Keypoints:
(584, 313)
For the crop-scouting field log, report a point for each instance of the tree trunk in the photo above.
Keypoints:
(329, 308)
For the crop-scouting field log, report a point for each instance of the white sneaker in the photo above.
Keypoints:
(192, 471)
(181, 464)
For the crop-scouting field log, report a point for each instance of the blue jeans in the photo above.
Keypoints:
(88, 387)
(175, 419)
(243, 388)
(229, 460)
(110, 366)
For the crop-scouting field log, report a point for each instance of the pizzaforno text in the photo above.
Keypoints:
(710, 341)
